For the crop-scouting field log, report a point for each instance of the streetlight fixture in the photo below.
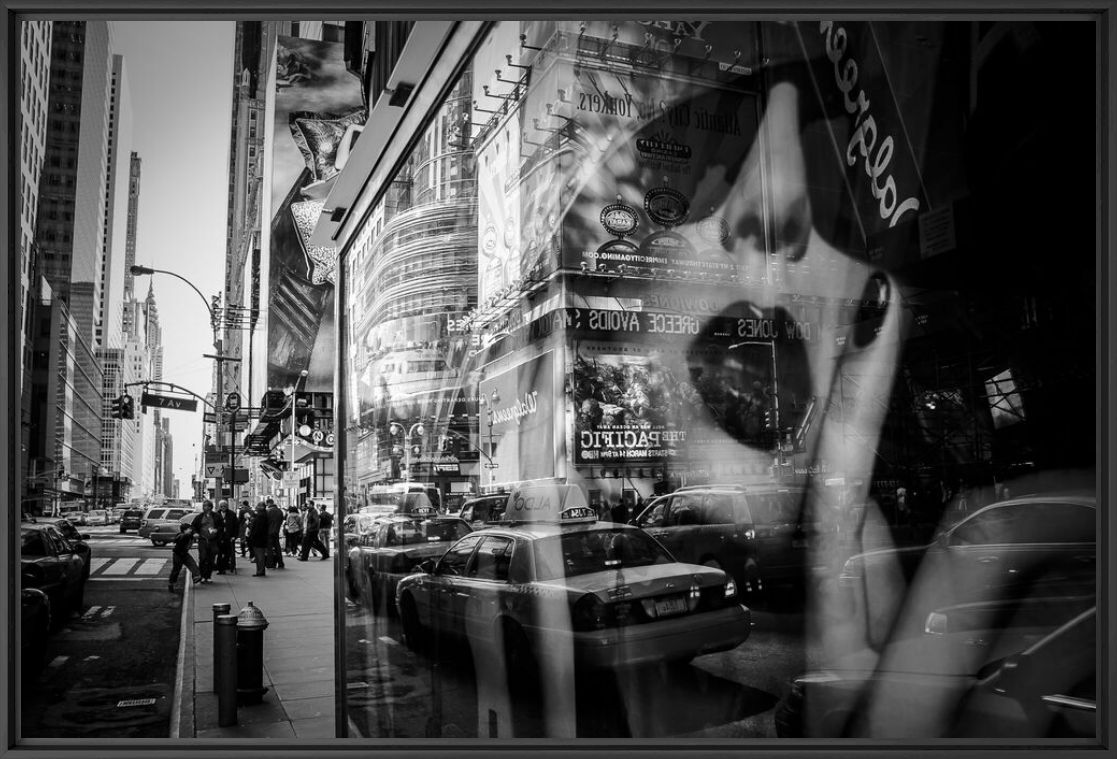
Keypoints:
(396, 428)
(140, 271)
(293, 393)
(490, 404)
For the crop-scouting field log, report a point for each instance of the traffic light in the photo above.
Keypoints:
(127, 407)
(416, 450)
(118, 408)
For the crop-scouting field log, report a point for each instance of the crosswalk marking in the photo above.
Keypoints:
(97, 564)
(151, 567)
(120, 567)
(91, 612)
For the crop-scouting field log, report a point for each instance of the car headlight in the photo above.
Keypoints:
(730, 588)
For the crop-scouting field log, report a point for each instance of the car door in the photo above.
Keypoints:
(677, 524)
(445, 607)
(1051, 550)
(480, 590)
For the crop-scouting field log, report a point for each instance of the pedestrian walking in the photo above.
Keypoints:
(310, 536)
(243, 518)
(275, 526)
(180, 556)
(293, 527)
(228, 525)
(257, 537)
(207, 530)
(325, 522)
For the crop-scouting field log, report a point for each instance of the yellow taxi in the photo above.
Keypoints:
(552, 581)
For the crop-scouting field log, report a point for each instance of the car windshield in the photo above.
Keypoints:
(581, 553)
(416, 531)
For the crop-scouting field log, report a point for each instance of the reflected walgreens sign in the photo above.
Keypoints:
(528, 405)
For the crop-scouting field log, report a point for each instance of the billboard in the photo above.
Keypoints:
(517, 421)
(318, 116)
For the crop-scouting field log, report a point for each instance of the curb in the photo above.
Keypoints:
(182, 708)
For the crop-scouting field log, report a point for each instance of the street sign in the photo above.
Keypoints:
(217, 457)
(232, 401)
(214, 471)
(168, 402)
(235, 475)
(291, 479)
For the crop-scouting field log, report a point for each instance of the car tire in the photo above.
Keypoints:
(414, 636)
(78, 601)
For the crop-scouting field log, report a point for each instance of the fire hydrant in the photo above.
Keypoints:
(250, 655)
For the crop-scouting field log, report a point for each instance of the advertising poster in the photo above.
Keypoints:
(318, 114)
(521, 416)
(648, 192)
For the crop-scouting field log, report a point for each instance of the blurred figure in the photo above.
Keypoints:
(258, 538)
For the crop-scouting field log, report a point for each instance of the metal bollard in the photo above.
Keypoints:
(250, 655)
(225, 671)
(218, 610)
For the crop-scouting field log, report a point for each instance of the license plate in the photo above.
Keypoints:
(668, 606)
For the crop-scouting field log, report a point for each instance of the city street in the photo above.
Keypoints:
(393, 692)
(110, 672)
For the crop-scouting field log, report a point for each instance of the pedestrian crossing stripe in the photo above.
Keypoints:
(102, 567)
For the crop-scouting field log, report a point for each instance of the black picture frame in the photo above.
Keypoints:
(1101, 11)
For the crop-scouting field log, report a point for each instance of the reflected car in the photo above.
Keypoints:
(1032, 676)
(1021, 547)
(606, 593)
(482, 509)
(52, 564)
(76, 538)
(390, 549)
(160, 524)
(759, 535)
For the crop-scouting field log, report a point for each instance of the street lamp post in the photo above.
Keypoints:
(294, 426)
(490, 404)
(416, 429)
(138, 271)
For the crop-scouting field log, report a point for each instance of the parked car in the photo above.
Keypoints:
(160, 524)
(602, 594)
(131, 519)
(1033, 675)
(98, 517)
(51, 563)
(391, 547)
(486, 508)
(35, 625)
(759, 535)
(1043, 545)
(76, 538)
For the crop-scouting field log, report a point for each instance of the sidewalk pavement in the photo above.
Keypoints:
(298, 652)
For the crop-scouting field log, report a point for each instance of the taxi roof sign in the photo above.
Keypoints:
(550, 503)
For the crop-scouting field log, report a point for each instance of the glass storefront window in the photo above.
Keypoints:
(705, 328)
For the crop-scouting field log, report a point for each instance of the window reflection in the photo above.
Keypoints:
(682, 320)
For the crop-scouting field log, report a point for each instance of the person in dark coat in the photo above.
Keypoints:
(207, 530)
(258, 538)
(275, 526)
(180, 556)
(310, 535)
(228, 525)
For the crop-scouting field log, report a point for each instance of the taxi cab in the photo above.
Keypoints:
(550, 580)
(389, 546)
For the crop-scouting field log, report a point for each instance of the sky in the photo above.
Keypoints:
(180, 78)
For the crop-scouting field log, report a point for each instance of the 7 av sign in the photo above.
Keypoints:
(168, 401)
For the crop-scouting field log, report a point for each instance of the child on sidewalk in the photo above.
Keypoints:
(180, 555)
